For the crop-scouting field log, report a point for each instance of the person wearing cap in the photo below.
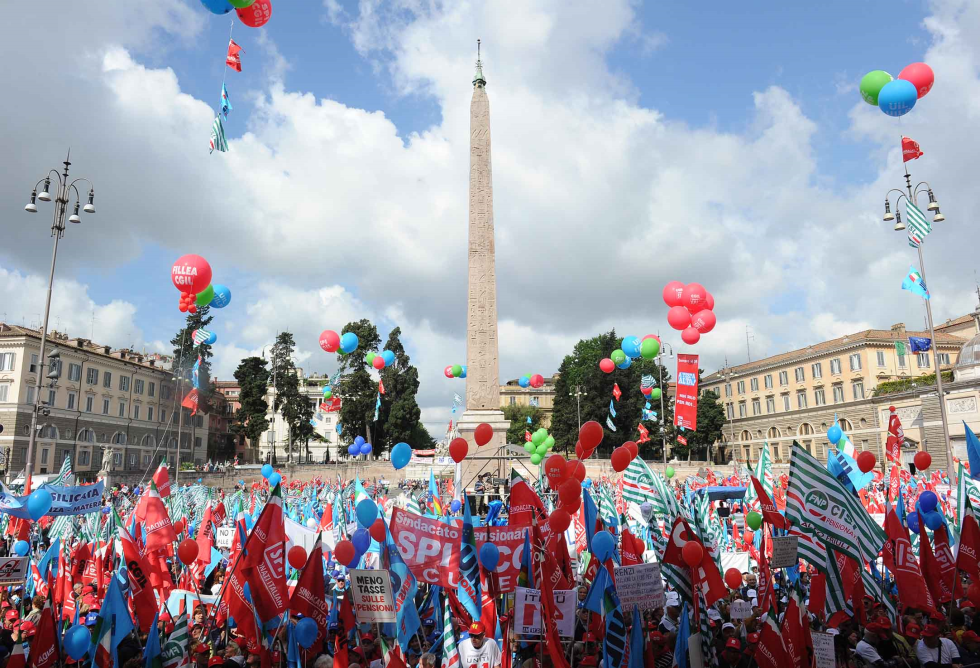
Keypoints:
(202, 655)
(671, 619)
(934, 651)
(732, 656)
(663, 654)
(970, 648)
(368, 650)
(867, 647)
(476, 652)
(587, 654)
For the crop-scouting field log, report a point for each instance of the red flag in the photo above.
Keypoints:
(894, 482)
(309, 598)
(44, 648)
(931, 571)
(850, 574)
(526, 508)
(644, 433)
(616, 391)
(633, 548)
(682, 440)
(896, 435)
(818, 595)
(205, 535)
(17, 658)
(162, 480)
(706, 574)
(794, 632)
(265, 560)
(553, 643)
(770, 652)
(910, 149)
(144, 600)
(527, 436)
(381, 386)
(234, 604)
(190, 401)
(769, 512)
(899, 559)
(218, 513)
(159, 529)
(944, 558)
(233, 60)
(968, 555)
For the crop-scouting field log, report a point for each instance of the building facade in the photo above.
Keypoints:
(231, 391)
(112, 410)
(512, 394)
(325, 444)
(796, 395)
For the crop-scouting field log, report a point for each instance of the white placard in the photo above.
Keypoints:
(224, 537)
(740, 609)
(739, 560)
(640, 587)
(527, 612)
(371, 596)
(297, 534)
(13, 570)
(785, 551)
(823, 649)
(694, 651)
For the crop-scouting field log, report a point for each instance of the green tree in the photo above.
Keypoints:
(253, 379)
(711, 421)
(296, 409)
(398, 420)
(186, 353)
(357, 390)
(518, 416)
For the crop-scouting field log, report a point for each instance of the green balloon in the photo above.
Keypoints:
(528, 447)
(204, 298)
(539, 436)
(241, 4)
(550, 441)
(649, 348)
(328, 394)
(753, 520)
(655, 394)
(541, 449)
(370, 357)
(457, 371)
(669, 472)
(871, 85)
(618, 357)
(536, 459)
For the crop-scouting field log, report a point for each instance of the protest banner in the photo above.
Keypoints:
(740, 609)
(785, 551)
(823, 649)
(78, 500)
(640, 586)
(429, 547)
(527, 612)
(224, 537)
(686, 397)
(13, 570)
(371, 596)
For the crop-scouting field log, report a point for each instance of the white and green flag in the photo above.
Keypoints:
(919, 227)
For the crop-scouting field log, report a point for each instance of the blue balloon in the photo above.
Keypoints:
(834, 433)
(77, 641)
(389, 357)
(489, 556)
(217, 6)
(367, 512)
(267, 471)
(353, 450)
(463, 374)
(401, 455)
(627, 363)
(222, 295)
(306, 632)
(897, 97)
(348, 342)
(361, 540)
(106, 510)
(212, 339)
(603, 544)
(359, 441)
(928, 501)
(21, 548)
(39, 503)
(933, 520)
(587, 482)
(524, 381)
(455, 506)
(913, 521)
(365, 448)
(274, 479)
(631, 346)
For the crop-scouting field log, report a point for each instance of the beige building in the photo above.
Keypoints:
(116, 402)
(512, 394)
(323, 447)
(796, 395)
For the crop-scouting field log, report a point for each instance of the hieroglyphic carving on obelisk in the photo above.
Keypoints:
(482, 386)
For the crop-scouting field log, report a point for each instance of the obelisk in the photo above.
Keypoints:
(482, 375)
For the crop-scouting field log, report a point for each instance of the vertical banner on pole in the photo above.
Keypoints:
(686, 395)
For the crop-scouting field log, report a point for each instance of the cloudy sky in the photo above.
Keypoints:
(634, 143)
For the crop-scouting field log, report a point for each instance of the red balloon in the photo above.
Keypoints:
(580, 450)
(559, 520)
(378, 362)
(458, 449)
(709, 302)
(973, 593)
(620, 459)
(575, 471)
(345, 552)
(297, 556)
(678, 317)
(748, 537)
(646, 390)
(733, 578)
(633, 449)
(192, 308)
(191, 273)
(329, 341)
(483, 434)
(673, 292)
(922, 460)
(690, 336)
(448, 371)
(179, 526)
(703, 321)
(187, 551)
(866, 461)
(919, 75)
(569, 490)
(693, 297)
(378, 530)
(572, 506)
(554, 469)
(607, 365)
(692, 553)
(537, 380)
(257, 14)
(590, 435)
(182, 308)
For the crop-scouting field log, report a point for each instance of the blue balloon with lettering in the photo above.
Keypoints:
(306, 632)
(39, 503)
(361, 540)
(928, 501)
(401, 455)
(897, 97)
(365, 448)
(913, 521)
(222, 295)
(388, 356)
(631, 346)
(267, 471)
(603, 545)
(489, 556)
(274, 479)
(348, 342)
(367, 512)
(21, 548)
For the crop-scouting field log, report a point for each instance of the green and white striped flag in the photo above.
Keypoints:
(919, 227)
(873, 589)
(450, 653)
(175, 649)
(412, 505)
(820, 505)
(763, 471)
(641, 484)
(218, 136)
(836, 598)
(62, 525)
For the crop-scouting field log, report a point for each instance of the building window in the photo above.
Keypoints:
(119, 438)
(123, 383)
(92, 376)
(881, 358)
(88, 404)
(86, 436)
(107, 379)
(801, 399)
(756, 407)
(922, 360)
(728, 389)
(83, 458)
(71, 401)
(768, 381)
(197, 442)
(44, 455)
(163, 415)
(149, 413)
(4, 390)
(117, 459)
(151, 389)
(835, 366)
(838, 394)
(754, 384)
(741, 409)
(105, 406)
(800, 374)
(943, 358)
(52, 395)
(817, 369)
(30, 394)
(49, 431)
(786, 405)
(855, 361)
(74, 372)
(146, 460)
(138, 386)
(901, 360)
(136, 412)
(122, 409)
(33, 367)
(730, 410)
(770, 404)
(741, 387)
(6, 361)
(133, 459)
(858, 391)
(784, 378)
(819, 399)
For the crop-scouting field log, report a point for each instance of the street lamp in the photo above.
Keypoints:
(578, 394)
(272, 433)
(660, 367)
(65, 188)
(911, 196)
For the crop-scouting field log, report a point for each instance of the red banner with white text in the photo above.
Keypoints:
(686, 394)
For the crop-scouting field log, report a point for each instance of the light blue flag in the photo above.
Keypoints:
(913, 283)
(114, 620)
(152, 648)
(612, 408)
(404, 587)
(225, 101)
(469, 568)
(50, 560)
(683, 636)
(972, 451)
(636, 641)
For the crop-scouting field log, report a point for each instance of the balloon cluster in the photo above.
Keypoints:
(567, 477)
(253, 13)
(866, 460)
(271, 476)
(459, 448)
(331, 342)
(691, 310)
(359, 447)
(896, 97)
(204, 336)
(534, 380)
(380, 360)
(191, 274)
(630, 349)
(623, 455)
(455, 371)
(589, 438)
(541, 443)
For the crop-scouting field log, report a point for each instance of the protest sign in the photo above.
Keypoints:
(785, 551)
(823, 649)
(429, 547)
(640, 586)
(371, 596)
(527, 612)
(78, 500)
(13, 570)
(224, 537)
(740, 609)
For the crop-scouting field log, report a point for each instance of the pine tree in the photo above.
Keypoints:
(357, 389)
(186, 353)
(296, 409)
(250, 419)
(518, 415)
